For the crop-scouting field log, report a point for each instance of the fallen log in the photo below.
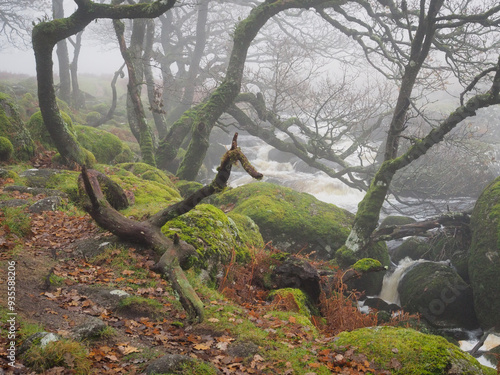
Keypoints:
(148, 231)
(421, 228)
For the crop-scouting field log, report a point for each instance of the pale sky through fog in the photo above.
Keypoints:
(92, 60)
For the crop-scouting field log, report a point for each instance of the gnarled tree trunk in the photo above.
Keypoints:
(47, 34)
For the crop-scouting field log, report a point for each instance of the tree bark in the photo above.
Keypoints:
(135, 109)
(149, 231)
(367, 216)
(77, 96)
(46, 35)
(393, 232)
(203, 117)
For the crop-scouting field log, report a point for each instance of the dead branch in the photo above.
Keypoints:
(393, 232)
(149, 231)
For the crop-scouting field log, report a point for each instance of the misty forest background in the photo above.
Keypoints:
(394, 103)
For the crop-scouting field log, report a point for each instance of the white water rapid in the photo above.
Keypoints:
(389, 292)
(316, 183)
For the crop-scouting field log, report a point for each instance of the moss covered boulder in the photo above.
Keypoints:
(439, 294)
(292, 299)
(404, 351)
(62, 180)
(6, 149)
(414, 248)
(484, 260)
(39, 132)
(147, 196)
(214, 235)
(13, 128)
(149, 173)
(443, 246)
(368, 282)
(293, 221)
(106, 147)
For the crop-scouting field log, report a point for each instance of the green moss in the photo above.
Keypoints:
(439, 294)
(65, 181)
(366, 264)
(413, 247)
(12, 127)
(148, 172)
(104, 145)
(195, 367)
(140, 306)
(93, 117)
(303, 305)
(209, 230)
(187, 188)
(6, 149)
(484, 261)
(248, 231)
(417, 353)
(293, 221)
(39, 132)
(150, 196)
(17, 220)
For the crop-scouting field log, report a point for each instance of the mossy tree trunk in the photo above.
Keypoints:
(47, 34)
(135, 109)
(149, 231)
(366, 219)
(200, 119)
(367, 216)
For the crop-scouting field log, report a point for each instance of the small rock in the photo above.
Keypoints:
(46, 204)
(119, 293)
(90, 329)
(243, 349)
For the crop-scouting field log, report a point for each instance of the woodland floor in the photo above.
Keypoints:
(58, 288)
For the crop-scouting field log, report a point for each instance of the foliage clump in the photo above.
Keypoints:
(62, 353)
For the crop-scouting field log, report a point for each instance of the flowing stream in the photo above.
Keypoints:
(389, 292)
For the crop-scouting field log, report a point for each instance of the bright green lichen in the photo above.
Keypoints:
(416, 353)
(39, 132)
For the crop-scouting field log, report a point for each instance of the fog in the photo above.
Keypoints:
(93, 60)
